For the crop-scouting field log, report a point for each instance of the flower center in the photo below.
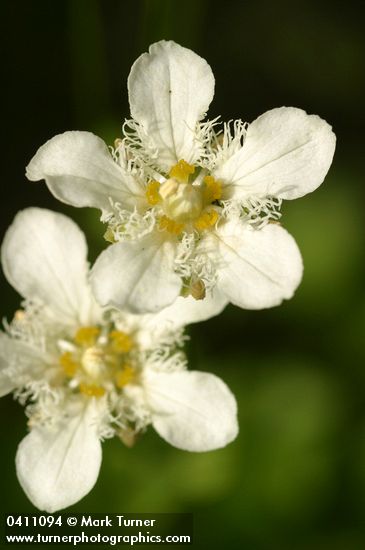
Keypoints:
(96, 361)
(185, 205)
(182, 202)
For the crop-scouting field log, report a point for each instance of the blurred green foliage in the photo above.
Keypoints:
(295, 477)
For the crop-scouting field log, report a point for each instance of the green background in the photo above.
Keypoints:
(295, 477)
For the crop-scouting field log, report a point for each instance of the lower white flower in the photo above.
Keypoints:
(190, 204)
(87, 373)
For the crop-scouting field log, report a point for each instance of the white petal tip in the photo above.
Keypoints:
(193, 411)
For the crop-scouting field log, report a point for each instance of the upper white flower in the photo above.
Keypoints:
(86, 373)
(188, 203)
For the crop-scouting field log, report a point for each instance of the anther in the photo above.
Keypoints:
(181, 171)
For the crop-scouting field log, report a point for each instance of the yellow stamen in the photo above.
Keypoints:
(213, 189)
(128, 436)
(124, 376)
(92, 390)
(170, 225)
(109, 235)
(152, 192)
(181, 171)
(197, 289)
(206, 220)
(68, 364)
(121, 341)
(19, 315)
(87, 336)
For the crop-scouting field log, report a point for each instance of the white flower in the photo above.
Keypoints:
(86, 373)
(190, 205)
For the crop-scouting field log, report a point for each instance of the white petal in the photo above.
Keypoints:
(44, 258)
(194, 411)
(79, 170)
(19, 363)
(170, 89)
(184, 311)
(57, 467)
(7, 383)
(256, 268)
(137, 276)
(286, 153)
(152, 328)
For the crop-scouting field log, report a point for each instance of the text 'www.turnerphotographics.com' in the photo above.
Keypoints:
(110, 529)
